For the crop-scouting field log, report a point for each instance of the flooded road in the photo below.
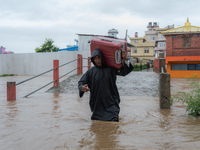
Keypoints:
(59, 119)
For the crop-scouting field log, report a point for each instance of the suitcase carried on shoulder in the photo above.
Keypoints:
(111, 49)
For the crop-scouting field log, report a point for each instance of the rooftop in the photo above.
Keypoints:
(183, 29)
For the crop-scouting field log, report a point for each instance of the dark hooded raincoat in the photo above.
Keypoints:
(104, 95)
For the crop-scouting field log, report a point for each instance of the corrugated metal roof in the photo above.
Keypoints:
(128, 44)
(183, 29)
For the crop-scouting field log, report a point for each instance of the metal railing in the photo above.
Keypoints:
(45, 73)
(88, 61)
(39, 88)
(11, 86)
(35, 76)
(67, 64)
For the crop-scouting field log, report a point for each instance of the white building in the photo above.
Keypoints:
(84, 41)
(113, 32)
(154, 34)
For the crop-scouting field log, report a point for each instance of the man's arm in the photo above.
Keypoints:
(82, 84)
(124, 55)
(127, 68)
(85, 88)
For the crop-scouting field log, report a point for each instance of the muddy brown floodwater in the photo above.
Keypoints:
(58, 119)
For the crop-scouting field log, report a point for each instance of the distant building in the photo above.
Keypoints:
(2, 50)
(69, 48)
(183, 51)
(154, 34)
(84, 41)
(113, 32)
(143, 51)
(151, 32)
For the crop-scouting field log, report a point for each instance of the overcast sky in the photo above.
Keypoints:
(25, 24)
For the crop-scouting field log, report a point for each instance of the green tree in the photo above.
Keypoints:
(47, 46)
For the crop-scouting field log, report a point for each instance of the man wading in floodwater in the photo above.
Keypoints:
(100, 80)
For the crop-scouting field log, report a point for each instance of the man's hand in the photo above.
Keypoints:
(85, 88)
(124, 55)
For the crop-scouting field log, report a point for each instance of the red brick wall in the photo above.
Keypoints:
(195, 42)
(169, 46)
(174, 46)
(177, 42)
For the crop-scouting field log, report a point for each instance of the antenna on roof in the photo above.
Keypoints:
(126, 35)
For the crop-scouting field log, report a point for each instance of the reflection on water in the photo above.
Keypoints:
(56, 102)
(164, 119)
(11, 105)
(12, 113)
(103, 135)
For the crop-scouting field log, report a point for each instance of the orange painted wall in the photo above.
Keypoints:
(182, 73)
(182, 59)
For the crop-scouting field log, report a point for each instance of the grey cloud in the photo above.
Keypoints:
(66, 18)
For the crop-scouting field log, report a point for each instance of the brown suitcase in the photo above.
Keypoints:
(111, 49)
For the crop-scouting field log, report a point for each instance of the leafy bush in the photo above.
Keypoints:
(5, 75)
(144, 66)
(191, 98)
(137, 67)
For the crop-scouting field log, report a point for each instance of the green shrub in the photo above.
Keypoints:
(191, 98)
(144, 66)
(5, 75)
(137, 67)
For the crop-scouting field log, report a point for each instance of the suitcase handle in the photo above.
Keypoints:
(112, 41)
(118, 57)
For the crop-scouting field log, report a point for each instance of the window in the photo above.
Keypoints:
(185, 67)
(136, 41)
(197, 66)
(179, 67)
(162, 44)
(134, 50)
(146, 50)
(186, 41)
(152, 38)
(191, 67)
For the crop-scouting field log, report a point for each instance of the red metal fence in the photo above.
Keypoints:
(11, 86)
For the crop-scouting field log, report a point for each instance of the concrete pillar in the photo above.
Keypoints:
(164, 90)
(79, 64)
(162, 65)
(56, 72)
(11, 91)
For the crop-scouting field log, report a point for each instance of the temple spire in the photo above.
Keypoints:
(187, 24)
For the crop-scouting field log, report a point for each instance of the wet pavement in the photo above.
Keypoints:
(59, 119)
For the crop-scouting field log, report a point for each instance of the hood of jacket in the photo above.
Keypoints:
(97, 52)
